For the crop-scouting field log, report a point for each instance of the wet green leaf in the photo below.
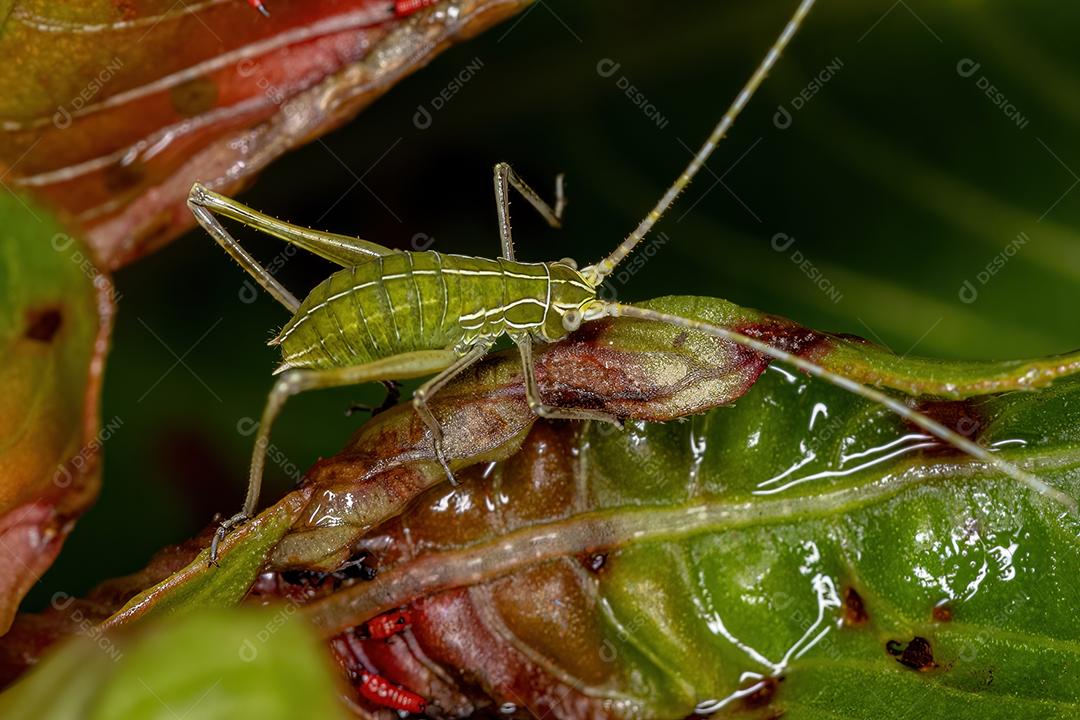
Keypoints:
(782, 537)
(202, 585)
(803, 552)
(831, 535)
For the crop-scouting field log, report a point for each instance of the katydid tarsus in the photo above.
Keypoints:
(392, 314)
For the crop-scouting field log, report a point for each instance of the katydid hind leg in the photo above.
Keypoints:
(425, 392)
(506, 178)
(341, 249)
(532, 391)
(247, 262)
(294, 382)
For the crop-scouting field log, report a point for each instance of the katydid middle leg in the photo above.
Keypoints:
(424, 393)
(532, 391)
(506, 178)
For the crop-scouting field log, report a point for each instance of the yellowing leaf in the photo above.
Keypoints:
(55, 311)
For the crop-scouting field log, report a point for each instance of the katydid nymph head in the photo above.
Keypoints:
(579, 302)
(573, 298)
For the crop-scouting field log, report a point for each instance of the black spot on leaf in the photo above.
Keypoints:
(916, 654)
(194, 97)
(962, 416)
(42, 325)
(123, 176)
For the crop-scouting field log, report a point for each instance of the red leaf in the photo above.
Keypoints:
(112, 115)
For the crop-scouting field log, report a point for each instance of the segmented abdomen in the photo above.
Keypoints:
(405, 302)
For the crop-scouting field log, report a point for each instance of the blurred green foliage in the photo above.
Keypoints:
(899, 180)
(222, 664)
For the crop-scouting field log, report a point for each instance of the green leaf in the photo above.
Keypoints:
(202, 585)
(788, 534)
(226, 664)
(802, 553)
(55, 310)
(799, 522)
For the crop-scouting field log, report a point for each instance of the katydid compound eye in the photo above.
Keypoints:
(571, 320)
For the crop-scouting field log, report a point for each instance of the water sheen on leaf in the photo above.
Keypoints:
(833, 538)
(803, 553)
(752, 543)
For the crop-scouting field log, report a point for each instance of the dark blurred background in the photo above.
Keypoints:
(902, 150)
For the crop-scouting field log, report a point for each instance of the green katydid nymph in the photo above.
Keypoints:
(391, 314)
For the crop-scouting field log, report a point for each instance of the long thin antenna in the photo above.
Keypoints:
(929, 425)
(596, 273)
